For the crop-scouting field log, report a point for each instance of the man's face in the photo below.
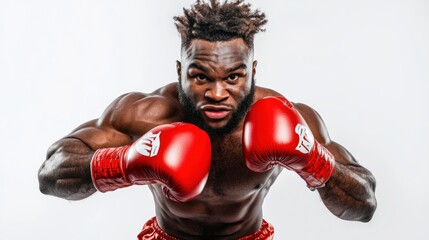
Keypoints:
(216, 84)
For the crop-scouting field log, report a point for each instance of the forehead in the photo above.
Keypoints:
(234, 50)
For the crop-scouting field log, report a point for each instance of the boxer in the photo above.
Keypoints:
(210, 145)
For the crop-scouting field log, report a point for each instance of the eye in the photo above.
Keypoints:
(233, 77)
(201, 77)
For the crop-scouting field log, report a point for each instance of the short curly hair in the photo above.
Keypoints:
(214, 21)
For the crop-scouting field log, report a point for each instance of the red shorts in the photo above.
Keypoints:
(152, 231)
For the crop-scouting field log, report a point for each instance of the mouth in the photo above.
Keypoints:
(216, 112)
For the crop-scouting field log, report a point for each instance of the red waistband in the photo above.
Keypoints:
(152, 231)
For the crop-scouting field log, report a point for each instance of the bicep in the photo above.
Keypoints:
(110, 129)
(98, 135)
(127, 118)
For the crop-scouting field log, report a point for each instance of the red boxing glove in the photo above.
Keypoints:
(177, 156)
(275, 133)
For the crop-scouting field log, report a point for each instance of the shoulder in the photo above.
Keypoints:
(314, 122)
(310, 115)
(136, 112)
(261, 92)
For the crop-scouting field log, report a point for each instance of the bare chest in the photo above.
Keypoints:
(229, 175)
(232, 193)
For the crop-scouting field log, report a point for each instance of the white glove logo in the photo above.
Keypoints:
(149, 144)
(306, 139)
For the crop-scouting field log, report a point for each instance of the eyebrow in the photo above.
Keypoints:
(204, 69)
(241, 66)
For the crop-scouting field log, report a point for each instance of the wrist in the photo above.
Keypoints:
(319, 168)
(108, 169)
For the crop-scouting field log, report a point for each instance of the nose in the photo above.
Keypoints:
(217, 91)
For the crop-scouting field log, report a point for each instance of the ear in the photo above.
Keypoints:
(179, 68)
(255, 63)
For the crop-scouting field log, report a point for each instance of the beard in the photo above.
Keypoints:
(193, 116)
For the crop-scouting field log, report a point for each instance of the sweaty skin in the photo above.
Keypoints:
(216, 77)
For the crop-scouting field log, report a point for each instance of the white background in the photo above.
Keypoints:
(363, 65)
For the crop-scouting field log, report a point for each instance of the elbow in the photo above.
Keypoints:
(369, 211)
(43, 189)
(367, 218)
(363, 212)
(371, 202)
(44, 186)
(69, 189)
(369, 205)
(47, 181)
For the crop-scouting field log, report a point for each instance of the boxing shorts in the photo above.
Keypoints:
(152, 231)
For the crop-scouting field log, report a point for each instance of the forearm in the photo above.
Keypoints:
(66, 172)
(350, 193)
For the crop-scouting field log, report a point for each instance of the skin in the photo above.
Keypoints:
(230, 206)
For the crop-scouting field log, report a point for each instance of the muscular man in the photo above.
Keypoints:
(211, 145)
